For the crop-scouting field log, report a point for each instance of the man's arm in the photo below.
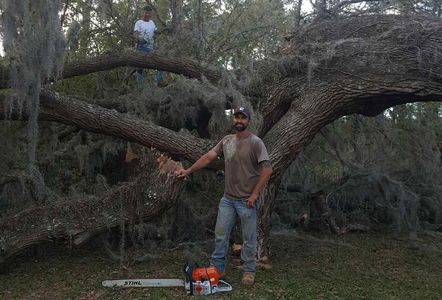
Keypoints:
(199, 164)
(266, 171)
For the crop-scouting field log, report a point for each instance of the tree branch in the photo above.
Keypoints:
(94, 118)
(130, 58)
(148, 196)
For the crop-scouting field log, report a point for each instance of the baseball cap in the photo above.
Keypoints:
(242, 110)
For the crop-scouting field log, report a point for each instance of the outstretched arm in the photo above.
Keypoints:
(199, 164)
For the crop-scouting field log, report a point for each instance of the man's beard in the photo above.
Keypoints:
(240, 127)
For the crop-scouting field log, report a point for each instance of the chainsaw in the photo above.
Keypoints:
(198, 281)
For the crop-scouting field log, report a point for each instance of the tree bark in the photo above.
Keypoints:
(129, 58)
(370, 69)
(318, 107)
(94, 118)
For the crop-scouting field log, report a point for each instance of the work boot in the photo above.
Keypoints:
(248, 278)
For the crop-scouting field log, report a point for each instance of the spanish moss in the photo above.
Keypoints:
(34, 46)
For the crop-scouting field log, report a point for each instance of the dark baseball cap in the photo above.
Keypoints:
(242, 110)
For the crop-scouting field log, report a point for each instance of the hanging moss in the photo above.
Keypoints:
(34, 46)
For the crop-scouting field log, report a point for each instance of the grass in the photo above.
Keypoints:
(354, 266)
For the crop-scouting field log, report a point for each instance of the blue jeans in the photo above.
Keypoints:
(140, 77)
(227, 212)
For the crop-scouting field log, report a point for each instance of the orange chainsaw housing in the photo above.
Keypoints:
(209, 273)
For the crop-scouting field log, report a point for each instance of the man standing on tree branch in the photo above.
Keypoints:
(247, 170)
(144, 31)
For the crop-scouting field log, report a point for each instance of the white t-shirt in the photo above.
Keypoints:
(146, 31)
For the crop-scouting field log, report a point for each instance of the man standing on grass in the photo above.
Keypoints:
(144, 31)
(247, 170)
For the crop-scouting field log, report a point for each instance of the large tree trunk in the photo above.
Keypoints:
(148, 196)
(370, 69)
(312, 111)
(265, 213)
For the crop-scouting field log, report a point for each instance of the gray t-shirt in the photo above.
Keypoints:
(241, 158)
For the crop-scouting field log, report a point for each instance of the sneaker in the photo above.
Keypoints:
(248, 278)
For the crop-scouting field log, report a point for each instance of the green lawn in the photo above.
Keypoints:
(354, 266)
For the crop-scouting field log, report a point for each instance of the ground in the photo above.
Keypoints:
(304, 266)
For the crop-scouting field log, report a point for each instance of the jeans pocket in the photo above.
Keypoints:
(245, 203)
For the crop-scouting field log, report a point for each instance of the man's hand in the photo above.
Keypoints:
(182, 173)
(251, 200)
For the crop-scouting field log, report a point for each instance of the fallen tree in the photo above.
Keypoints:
(334, 67)
(148, 196)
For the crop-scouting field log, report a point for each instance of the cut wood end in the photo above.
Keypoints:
(130, 154)
(165, 165)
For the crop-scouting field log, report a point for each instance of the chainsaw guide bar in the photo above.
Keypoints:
(124, 283)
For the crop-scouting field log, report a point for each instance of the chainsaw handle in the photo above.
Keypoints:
(187, 272)
(226, 287)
